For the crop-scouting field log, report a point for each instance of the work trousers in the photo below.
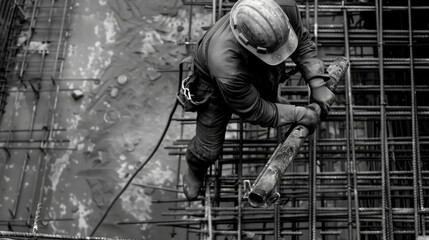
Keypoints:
(206, 146)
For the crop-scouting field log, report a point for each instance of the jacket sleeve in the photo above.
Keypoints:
(305, 56)
(244, 100)
(230, 74)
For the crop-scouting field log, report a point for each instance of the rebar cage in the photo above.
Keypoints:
(363, 174)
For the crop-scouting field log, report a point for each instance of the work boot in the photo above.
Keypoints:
(192, 183)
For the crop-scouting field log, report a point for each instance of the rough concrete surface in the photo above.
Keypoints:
(114, 124)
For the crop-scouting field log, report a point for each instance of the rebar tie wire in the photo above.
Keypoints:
(37, 219)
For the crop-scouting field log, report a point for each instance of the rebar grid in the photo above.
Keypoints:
(18, 141)
(363, 177)
(30, 137)
(9, 13)
(368, 178)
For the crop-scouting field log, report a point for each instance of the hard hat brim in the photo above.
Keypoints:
(279, 55)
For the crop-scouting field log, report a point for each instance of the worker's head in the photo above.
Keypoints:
(263, 28)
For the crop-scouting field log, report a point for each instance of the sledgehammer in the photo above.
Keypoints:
(260, 194)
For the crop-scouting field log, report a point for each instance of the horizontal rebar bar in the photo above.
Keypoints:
(286, 90)
(321, 8)
(34, 130)
(51, 236)
(12, 221)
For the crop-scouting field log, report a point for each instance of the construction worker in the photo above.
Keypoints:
(237, 67)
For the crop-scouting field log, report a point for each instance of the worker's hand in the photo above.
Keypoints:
(321, 95)
(308, 116)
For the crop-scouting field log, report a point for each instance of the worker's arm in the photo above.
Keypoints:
(305, 57)
(244, 100)
(229, 71)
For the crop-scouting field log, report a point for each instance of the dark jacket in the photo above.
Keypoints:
(246, 84)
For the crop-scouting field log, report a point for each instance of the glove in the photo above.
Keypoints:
(321, 95)
(311, 68)
(308, 116)
(282, 100)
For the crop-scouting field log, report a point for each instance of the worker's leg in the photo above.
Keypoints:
(206, 146)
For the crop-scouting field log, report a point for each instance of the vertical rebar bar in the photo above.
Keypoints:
(36, 189)
(277, 223)
(347, 132)
(179, 164)
(240, 180)
(309, 169)
(219, 12)
(307, 14)
(208, 210)
(417, 187)
(189, 38)
(386, 213)
(351, 166)
(20, 184)
(213, 12)
(382, 128)
(390, 230)
(307, 24)
(313, 153)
